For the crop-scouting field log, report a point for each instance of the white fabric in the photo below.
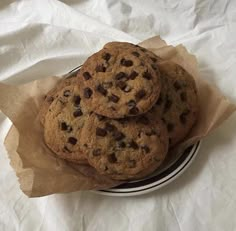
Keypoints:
(39, 38)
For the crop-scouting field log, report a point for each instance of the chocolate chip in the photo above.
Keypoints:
(153, 59)
(120, 75)
(87, 93)
(112, 158)
(160, 100)
(131, 103)
(140, 94)
(143, 120)
(183, 96)
(66, 149)
(50, 99)
(101, 90)
(113, 98)
(97, 152)
(66, 93)
(147, 75)
(170, 127)
(100, 68)
(72, 140)
(109, 127)
(145, 148)
(66, 127)
(76, 100)
(131, 163)
(63, 126)
(118, 135)
(168, 104)
(121, 84)
(101, 132)
(134, 111)
(107, 85)
(106, 56)
(121, 144)
(126, 63)
(132, 144)
(78, 113)
(177, 85)
(133, 75)
(135, 53)
(87, 75)
(183, 115)
(100, 117)
(170, 141)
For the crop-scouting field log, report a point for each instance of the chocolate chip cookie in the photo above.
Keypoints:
(63, 123)
(53, 94)
(178, 101)
(120, 81)
(123, 149)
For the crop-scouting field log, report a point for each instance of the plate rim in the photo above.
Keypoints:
(159, 183)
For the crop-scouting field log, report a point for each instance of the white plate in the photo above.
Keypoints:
(155, 181)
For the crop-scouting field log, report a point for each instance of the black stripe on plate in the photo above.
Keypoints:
(160, 176)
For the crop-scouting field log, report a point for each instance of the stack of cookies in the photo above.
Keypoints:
(121, 113)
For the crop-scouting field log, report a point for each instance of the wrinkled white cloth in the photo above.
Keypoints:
(40, 38)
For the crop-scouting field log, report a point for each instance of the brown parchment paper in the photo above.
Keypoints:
(41, 173)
